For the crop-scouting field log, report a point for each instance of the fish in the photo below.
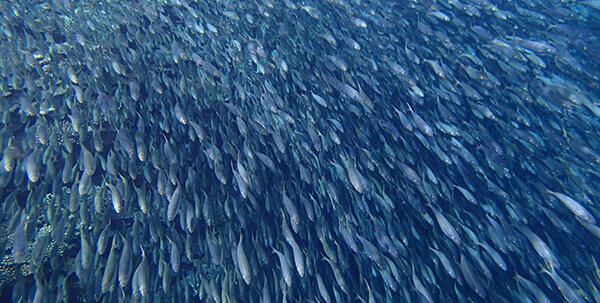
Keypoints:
(371, 251)
(243, 263)
(162, 150)
(110, 270)
(124, 269)
(103, 240)
(174, 256)
(421, 124)
(418, 285)
(140, 275)
(469, 275)
(19, 246)
(574, 207)
(446, 226)
(285, 269)
(540, 247)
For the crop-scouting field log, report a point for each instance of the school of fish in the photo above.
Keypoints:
(300, 151)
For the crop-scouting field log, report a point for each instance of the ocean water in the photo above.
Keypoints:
(299, 151)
